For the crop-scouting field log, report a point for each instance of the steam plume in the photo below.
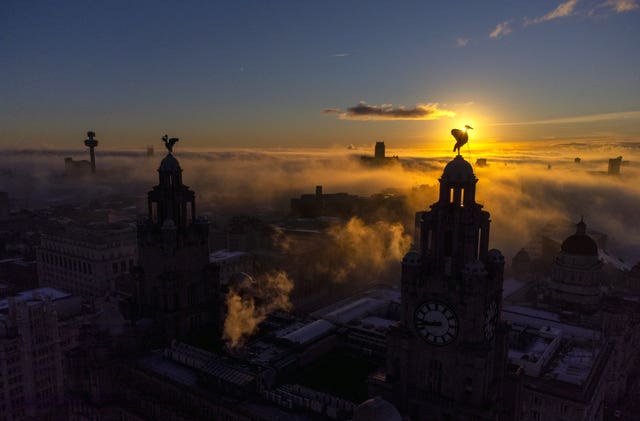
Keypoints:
(250, 301)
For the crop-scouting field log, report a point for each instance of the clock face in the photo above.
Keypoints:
(436, 323)
(490, 320)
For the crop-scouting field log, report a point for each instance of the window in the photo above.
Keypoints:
(468, 385)
(434, 376)
(448, 243)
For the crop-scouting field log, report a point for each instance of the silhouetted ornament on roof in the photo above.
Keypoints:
(169, 142)
(170, 164)
(376, 409)
(461, 137)
(580, 243)
(458, 170)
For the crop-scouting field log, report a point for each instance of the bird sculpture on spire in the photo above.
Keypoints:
(169, 142)
(461, 137)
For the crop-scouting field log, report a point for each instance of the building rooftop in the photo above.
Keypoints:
(96, 234)
(310, 332)
(224, 254)
(537, 318)
(37, 294)
(573, 363)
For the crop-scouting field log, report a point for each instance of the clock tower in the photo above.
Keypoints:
(446, 357)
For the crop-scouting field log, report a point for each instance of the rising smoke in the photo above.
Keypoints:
(249, 302)
(366, 252)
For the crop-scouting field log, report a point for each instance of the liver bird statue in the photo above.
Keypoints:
(461, 137)
(169, 142)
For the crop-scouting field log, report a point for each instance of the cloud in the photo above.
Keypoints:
(577, 119)
(501, 30)
(462, 42)
(364, 111)
(341, 55)
(621, 6)
(562, 10)
(250, 301)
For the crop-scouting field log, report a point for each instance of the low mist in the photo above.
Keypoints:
(523, 187)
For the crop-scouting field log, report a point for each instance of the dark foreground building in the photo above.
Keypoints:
(446, 358)
(175, 287)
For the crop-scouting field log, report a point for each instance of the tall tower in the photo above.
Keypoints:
(447, 356)
(380, 151)
(175, 285)
(92, 143)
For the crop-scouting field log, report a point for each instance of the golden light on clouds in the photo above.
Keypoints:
(364, 111)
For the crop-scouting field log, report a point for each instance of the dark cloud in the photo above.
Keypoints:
(364, 111)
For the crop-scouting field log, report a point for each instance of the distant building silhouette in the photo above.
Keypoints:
(379, 157)
(614, 166)
(344, 205)
(380, 151)
(76, 168)
(481, 162)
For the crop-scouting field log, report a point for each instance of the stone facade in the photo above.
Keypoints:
(174, 284)
(86, 261)
(447, 356)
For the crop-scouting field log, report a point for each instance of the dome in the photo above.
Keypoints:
(170, 164)
(376, 409)
(412, 257)
(495, 256)
(580, 243)
(458, 170)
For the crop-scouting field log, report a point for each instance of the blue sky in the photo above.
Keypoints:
(260, 74)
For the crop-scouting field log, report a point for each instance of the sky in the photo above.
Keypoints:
(290, 74)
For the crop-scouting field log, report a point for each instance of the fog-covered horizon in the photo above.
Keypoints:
(524, 186)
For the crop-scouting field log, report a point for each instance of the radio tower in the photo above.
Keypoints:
(92, 143)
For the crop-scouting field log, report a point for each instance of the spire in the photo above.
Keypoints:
(91, 143)
(456, 229)
(170, 199)
(581, 227)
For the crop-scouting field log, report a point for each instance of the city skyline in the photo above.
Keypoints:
(287, 75)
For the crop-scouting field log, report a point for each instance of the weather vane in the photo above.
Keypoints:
(169, 142)
(461, 137)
